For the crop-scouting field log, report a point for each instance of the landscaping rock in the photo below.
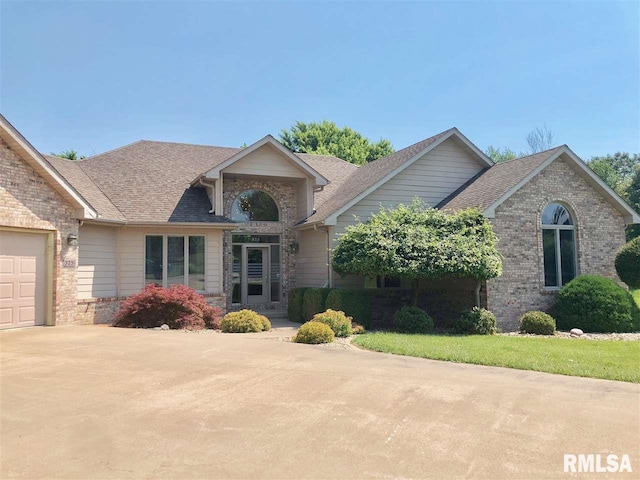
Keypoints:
(576, 332)
(164, 326)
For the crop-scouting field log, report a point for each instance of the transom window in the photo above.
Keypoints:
(171, 259)
(559, 246)
(254, 206)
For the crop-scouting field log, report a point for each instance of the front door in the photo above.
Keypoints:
(257, 275)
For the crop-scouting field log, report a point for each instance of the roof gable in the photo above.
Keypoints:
(284, 152)
(372, 175)
(44, 168)
(492, 187)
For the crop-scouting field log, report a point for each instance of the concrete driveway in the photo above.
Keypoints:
(101, 402)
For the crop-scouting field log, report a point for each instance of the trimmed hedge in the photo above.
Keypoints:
(337, 321)
(354, 303)
(314, 301)
(413, 320)
(477, 321)
(314, 333)
(294, 309)
(538, 323)
(178, 306)
(628, 263)
(244, 321)
(596, 304)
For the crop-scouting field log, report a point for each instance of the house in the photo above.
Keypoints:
(244, 226)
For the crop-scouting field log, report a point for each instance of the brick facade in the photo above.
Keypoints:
(284, 194)
(28, 201)
(599, 235)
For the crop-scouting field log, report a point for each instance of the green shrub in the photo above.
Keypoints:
(314, 301)
(477, 321)
(355, 303)
(596, 304)
(413, 320)
(264, 321)
(244, 321)
(295, 304)
(337, 321)
(628, 263)
(538, 323)
(314, 333)
(357, 329)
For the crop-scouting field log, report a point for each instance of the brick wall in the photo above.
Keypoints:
(284, 194)
(27, 201)
(599, 234)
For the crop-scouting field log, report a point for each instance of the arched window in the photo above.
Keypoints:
(254, 206)
(559, 245)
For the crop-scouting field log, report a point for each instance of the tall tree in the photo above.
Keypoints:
(69, 155)
(633, 193)
(540, 139)
(326, 138)
(417, 242)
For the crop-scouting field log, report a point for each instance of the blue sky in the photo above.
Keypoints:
(97, 75)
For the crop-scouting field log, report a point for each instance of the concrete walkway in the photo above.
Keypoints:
(101, 402)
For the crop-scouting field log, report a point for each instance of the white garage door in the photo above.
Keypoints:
(22, 279)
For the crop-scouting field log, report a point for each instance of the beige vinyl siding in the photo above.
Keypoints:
(312, 259)
(432, 178)
(96, 262)
(266, 161)
(131, 256)
(304, 199)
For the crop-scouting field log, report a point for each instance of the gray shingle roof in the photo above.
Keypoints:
(489, 185)
(150, 181)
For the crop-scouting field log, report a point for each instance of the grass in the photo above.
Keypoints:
(606, 359)
(636, 296)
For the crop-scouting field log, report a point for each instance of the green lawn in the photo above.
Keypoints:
(636, 296)
(608, 359)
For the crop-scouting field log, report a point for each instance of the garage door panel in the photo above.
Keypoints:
(28, 291)
(6, 291)
(6, 316)
(6, 265)
(22, 279)
(27, 265)
(26, 315)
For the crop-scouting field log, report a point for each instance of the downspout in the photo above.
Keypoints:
(202, 182)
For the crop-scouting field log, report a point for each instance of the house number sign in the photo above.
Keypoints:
(69, 263)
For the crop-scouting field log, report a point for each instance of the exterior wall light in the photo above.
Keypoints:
(72, 240)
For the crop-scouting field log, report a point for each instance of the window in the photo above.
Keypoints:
(254, 206)
(172, 259)
(387, 282)
(558, 245)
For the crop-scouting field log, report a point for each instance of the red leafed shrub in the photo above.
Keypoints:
(178, 306)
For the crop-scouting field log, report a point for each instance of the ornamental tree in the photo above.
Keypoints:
(417, 242)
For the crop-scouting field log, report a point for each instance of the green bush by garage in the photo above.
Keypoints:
(296, 296)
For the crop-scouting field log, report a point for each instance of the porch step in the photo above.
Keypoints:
(274, 314)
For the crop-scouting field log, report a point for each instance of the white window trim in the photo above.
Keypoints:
(165, 258)
(556, 231)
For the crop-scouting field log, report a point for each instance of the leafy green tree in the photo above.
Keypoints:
(69, 155)
(501, 155)
(633, 194)
(417, 242)
(325, 138)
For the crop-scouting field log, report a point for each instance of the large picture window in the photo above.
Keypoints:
(171, 259)
(559, 246)
(254, 206)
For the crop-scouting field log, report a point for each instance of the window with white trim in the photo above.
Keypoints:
(558, 245)
(171, 259)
